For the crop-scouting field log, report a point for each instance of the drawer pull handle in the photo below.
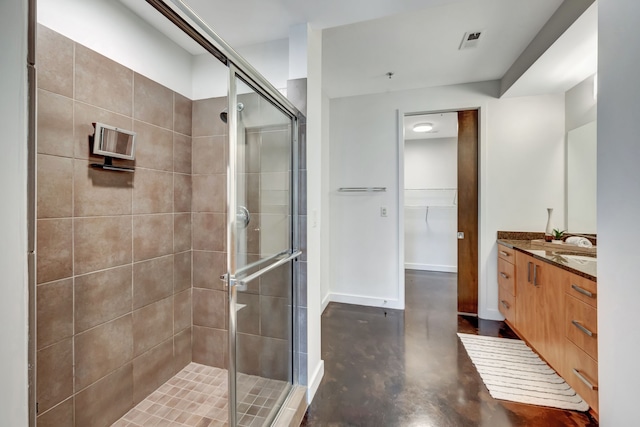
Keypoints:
(583, 291)
(535, 275)
(582, 328)
(529, 272)
(505, 304)
(503, 253)
(584, 380)
(504, 275)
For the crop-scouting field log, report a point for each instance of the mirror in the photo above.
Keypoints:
(581, 178)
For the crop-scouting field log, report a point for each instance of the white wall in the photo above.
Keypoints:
(580, 104)
(521, 174)
(111, 29)
(315, 224)
(13, 214)
(618, 211)
(430, 241)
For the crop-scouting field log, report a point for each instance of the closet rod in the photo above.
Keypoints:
(362, 189)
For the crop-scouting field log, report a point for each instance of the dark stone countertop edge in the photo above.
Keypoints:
(518, 246)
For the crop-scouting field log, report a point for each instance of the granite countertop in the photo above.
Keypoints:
(580, 263)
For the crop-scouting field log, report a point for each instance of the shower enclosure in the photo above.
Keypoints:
(169, 293)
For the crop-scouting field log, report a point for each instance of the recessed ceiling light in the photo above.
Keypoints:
(422, 127)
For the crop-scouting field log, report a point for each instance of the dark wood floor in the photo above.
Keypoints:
(394, 368)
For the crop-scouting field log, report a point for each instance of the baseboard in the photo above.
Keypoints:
(367, 301)
(431, 267)
(316, 378)
(491, 314)
(325, 302)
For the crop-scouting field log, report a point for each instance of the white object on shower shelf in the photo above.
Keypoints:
(582, 242)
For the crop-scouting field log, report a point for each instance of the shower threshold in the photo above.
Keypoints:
(197, 396)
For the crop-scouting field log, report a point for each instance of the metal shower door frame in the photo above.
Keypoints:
(235, 279)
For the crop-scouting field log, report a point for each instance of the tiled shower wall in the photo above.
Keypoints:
(114, 249)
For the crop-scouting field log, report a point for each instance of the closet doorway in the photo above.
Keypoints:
(439, 198)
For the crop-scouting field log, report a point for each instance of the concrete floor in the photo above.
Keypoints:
(394, 368)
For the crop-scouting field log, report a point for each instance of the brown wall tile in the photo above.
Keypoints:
(152, 236)
(248, 320)
(152, 281)
(181, 193)
(275, 317)
(152, 192)
(55, 184)
(209, 155)
(54, 375)
(55, 124)
(153, 103)
(181, 153)
(275, 359)
(209, 308)
(182, 349)
(100, 192)
(102, 296)
(209, 232)
(152, 325)
(54, 312)
(181, 271)
(103, 349)
(54, 59)
(84, 117)
(206, 117)
(102, 82)
(152, 369)
(207, 269)
(154, 147)
(54, 249)
(248, 354)
(209, 193)
(181, 310)
(106, 400)
(60, 416)
(181, 232)
(101, 243)
(210, 346)
(182, 114)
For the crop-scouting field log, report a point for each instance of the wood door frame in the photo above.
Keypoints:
(401, 258)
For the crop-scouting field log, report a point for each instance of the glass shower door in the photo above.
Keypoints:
(260, 254)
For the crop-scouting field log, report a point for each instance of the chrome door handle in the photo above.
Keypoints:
(584, 380)
(505, 304)
(582, 291)
(504, 276)
(535, 275)
(529, 272)
(582, 328)
(503, 253)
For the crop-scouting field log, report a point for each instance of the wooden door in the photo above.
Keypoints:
(468, 211)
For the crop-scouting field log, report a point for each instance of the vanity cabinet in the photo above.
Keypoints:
(555, 311)
(507, 283)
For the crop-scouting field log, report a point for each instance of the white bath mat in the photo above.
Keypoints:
(512, 371)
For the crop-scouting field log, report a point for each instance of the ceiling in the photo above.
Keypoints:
(417, 40)
(445, 125)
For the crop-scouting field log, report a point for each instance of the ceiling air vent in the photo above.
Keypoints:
(470, 40)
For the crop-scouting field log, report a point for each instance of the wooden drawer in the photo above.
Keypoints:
(507, 304)
(583, 289)
(506, 254)
(581, 325)
(506, 276)
(578, 364)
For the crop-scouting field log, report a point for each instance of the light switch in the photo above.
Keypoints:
(383, 211)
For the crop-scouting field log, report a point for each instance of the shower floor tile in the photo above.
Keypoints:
(197, 396)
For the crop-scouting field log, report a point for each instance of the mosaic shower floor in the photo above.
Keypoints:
(197, 396)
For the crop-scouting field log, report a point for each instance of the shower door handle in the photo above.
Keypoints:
(241, 284)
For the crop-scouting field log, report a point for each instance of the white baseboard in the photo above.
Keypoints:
(325, 302)
(316, 378)
(491, 314)
(431, 267)
(367, 301)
